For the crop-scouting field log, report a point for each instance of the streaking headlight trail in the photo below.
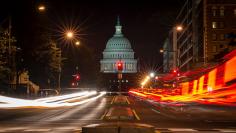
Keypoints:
(57, 101)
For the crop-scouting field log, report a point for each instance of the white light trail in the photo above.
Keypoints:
(57, 101)
(62, 97)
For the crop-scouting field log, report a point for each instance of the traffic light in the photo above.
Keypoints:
(175, 72)
(77, 77)
(156, 78)
(120, 66)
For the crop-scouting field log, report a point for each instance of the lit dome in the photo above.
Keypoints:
(118, 48)
(118, 43)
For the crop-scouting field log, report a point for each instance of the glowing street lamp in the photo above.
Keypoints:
(77, 43)
(41, 8)
(179, 28)
(161, 51)
(152, 74)
(69, 34)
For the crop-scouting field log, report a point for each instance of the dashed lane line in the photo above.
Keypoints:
(112, 101)
(156, 111)
(102, 117)
(135, 114)
(127, 100)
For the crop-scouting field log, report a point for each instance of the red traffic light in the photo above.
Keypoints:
(76, 77)
(176, 72)
(120, 66)
(156, 78)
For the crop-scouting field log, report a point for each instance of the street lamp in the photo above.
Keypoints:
(77, 43)
(41, 8)
(152, 74)
(179, 28)
(69, 35)
(175, 29)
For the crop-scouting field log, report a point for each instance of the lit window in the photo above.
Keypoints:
(214, 25)
(213, 36)
(222, 11)
(214, 48)
(222, 36)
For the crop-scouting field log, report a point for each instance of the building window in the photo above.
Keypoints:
(214, 25)
(222, 11)
(221, 25)
(234, 12)
(214, 11)
(214, 48)
(214, 36)
(222, 36)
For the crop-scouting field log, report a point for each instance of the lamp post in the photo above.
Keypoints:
(175, 29)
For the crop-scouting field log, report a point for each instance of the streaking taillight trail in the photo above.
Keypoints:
(216, 86)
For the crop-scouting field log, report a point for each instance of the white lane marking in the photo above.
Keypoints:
(227, 130)
(181, 129)
(37, 130)
(156, 111)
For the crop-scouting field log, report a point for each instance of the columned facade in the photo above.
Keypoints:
(118, 49)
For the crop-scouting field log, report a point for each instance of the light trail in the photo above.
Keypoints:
(213, 85)
(58, 101)
(62, 97)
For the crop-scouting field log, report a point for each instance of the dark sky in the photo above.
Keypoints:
(145, 23)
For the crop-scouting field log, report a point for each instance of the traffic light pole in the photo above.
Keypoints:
(120, 69)
(119, 80)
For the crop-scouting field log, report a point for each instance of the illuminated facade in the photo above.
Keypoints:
(206, 25)
(118, 48)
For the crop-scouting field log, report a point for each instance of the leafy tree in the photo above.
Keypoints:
(48, 57)
(4, 68)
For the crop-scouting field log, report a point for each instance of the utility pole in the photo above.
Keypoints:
(174, 47)
(59, 74)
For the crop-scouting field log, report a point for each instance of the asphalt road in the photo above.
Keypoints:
(71, 119)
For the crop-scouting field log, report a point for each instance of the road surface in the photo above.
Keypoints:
(72, 119)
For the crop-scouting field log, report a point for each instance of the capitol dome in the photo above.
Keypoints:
(118, 41)
(118, 48)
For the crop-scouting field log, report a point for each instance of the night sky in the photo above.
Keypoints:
(145, 23)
